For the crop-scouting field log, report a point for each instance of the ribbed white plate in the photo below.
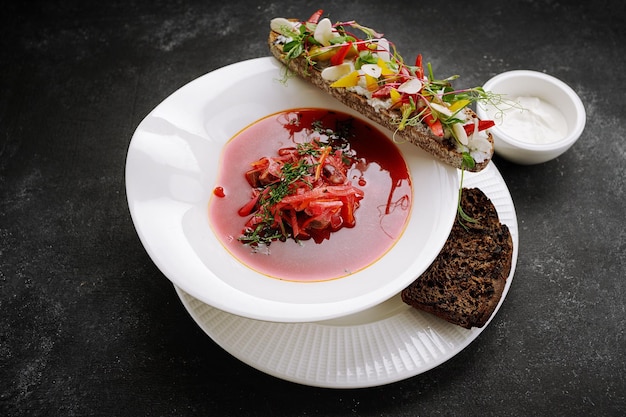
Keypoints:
(381, 345)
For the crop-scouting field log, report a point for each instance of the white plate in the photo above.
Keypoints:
(384, 344)
(171, 171)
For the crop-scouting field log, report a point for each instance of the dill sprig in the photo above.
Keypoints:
(265, 231)
(295, 175)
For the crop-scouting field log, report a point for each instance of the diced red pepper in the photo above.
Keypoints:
(419, 72)
(404, 74)
(383, 91)
(248, 208)
(482, 125)
(315, 17)
(219, 192)
(363, 46)
(435, 124)
(340, 55)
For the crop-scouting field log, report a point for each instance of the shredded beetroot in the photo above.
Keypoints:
(301, 193)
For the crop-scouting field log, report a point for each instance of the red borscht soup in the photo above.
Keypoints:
(368, 195)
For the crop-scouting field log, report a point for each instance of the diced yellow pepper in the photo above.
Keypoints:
(384, 67)
(395, 95)
(319, 53)
(371, 83)
(458, 105)
(349, 80)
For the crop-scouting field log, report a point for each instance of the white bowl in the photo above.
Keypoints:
(171, 171)
(554, 92)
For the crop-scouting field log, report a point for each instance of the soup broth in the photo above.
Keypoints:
(378, 169)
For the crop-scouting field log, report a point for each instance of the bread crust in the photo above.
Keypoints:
(465, 283)
(442, 149)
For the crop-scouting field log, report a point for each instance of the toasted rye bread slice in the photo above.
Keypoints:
(465, 282)
(442, 149)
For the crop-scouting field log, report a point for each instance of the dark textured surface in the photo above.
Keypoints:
(90, 327)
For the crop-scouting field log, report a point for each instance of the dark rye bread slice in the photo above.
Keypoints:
(465, 282)
(442, 149)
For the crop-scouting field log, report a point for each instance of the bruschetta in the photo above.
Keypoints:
(362, 69)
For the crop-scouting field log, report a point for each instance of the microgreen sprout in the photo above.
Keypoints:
(468, 163)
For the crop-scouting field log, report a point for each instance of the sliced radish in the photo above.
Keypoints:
(337, 71)
(442, 110)
(412, 86)
(383, 49)
(372, 70)
(459, 132)
(324, 31)
(283, 26)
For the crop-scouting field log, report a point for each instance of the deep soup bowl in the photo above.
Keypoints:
(171, 172)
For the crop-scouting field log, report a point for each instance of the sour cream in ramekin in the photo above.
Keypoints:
(530, 119)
